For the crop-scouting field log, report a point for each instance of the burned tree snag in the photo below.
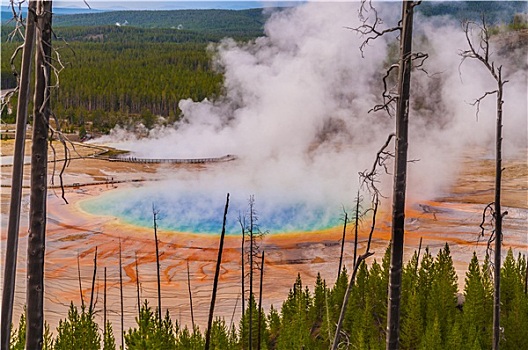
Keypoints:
(400, 177)
(121, 296)
(155, 213)
(104, 306)
(90, 309)
(11, 248)
(260, 302)
(342, 246)
(251, 252)
(137, 286)
(241, 220)
(217, 275)
(190, 295)
(80, 281)
(356, 227)
(481, 52)
(39, 180)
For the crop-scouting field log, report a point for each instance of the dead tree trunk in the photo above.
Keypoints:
(251, 246)
(217, 275)
(190, 295)
(11, 248)
(243, 276)
(80, 281)
(356, 228)
(260, 302)
(357, 264)
(400, 177)
(137, 286)
(39, 179)
(104, 306)
(121, 296)
(481, 53)
(90, 309)
(498, 217)
(337, 334)
(342, 246)
(155, 214)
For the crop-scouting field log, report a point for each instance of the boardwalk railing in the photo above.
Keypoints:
(225, 158)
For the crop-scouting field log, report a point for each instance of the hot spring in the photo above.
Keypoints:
(201, 212)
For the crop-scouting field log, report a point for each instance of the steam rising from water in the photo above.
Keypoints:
(295, 112)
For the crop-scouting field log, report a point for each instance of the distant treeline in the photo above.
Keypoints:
(224, 22)
(235, 22)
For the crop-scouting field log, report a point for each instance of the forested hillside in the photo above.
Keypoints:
(226, 22)
(120, 74)
(105, 83)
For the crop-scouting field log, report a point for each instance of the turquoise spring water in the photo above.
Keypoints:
(202, 213)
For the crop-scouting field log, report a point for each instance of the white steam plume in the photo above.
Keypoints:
(296, 104)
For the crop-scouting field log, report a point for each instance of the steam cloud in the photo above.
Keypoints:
(296, 104)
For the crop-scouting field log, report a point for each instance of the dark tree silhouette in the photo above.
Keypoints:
(371, 29)
(90, 309)
(155, 213)
(39, 180)
(217, 275)
(481, 51)
(11, 248)
(260, 315)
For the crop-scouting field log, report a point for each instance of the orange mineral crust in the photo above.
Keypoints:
(73, 236)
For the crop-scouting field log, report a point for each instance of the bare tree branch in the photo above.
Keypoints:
(481, 52)
(370, 28)
(369, 178)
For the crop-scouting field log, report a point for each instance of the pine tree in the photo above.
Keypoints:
(318, 310)
(274, 327)
(514, 310)
(109, 339)
(190, 341)
(477, 318)
(424, 283)
(412, 323)
(442, 301)
(150, 333)
(455, 339)
(78, 331)
(18, 336)
(47, 338)
(244, 325)
(295, 330)
(432, 339)
(377, 289)
(220, 338)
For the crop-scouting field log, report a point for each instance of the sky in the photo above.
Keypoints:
(173, 5)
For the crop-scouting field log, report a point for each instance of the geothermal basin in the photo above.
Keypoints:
(110, 206)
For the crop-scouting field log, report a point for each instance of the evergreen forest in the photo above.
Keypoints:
(434, 314)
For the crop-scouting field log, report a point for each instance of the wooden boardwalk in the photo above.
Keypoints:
(226, 158)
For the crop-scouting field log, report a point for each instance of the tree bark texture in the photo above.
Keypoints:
(39, 179)
(498, 217)
(400, 178)
(11, 248)
(157, 264)
(260, 302)
(217, 275)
